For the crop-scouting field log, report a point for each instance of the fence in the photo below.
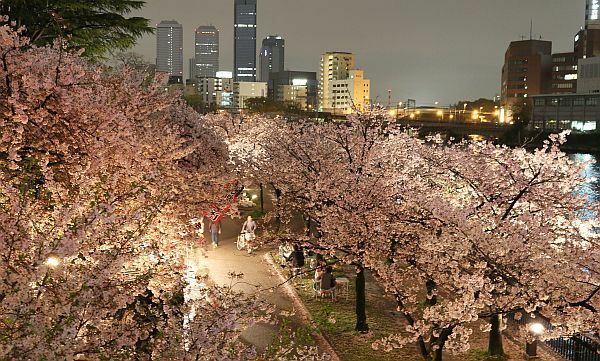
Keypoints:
(574, 348)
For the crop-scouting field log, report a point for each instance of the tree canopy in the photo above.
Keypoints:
(98, 26)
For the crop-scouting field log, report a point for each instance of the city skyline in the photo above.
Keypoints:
(437, 62)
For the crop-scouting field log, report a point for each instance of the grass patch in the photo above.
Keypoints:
(337, 320)
(479, 355)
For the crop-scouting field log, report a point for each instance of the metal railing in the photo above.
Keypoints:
(573, 348)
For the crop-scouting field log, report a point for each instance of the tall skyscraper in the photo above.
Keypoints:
(207, 52)
(592, 14)
(587, 40)
(244, 58)
(272, 56)
(169, 50)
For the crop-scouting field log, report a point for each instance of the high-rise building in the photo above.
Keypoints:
(587, 39)
(244, 58)
(342, 88)
(169, 50)
(272, 56)
(206, 55)
(334, 66)
(592, 14)
(527, 70)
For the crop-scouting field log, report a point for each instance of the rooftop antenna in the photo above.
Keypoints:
(531, 29)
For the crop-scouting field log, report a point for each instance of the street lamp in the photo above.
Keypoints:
(52, 262)
(536, 329)
(440, 114)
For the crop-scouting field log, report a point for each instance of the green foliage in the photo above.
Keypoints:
(98, 26)
(521, 112)
(521, 116)
(289, 338)
(487, 104)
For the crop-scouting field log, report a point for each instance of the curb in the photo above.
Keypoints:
(302, 310)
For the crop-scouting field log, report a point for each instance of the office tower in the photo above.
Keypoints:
(592, 14)
(206, 52)
(587, 40)
(527, 70)
(244, 62)
(169, 50)
(272, 56)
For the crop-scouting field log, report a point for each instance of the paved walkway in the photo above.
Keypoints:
(258, 275)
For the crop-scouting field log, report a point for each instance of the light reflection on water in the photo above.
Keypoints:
(592, 189)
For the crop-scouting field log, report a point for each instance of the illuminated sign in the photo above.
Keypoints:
(224, 74)
(299, 82)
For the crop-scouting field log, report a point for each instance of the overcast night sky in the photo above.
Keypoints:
(435, 50)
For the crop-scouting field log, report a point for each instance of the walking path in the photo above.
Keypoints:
(258, 276)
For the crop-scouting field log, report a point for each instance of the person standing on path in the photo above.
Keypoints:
(215, 231)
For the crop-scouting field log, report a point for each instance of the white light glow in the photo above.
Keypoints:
(224, 74)
(299, 82)
(52, 262)
(537, 328)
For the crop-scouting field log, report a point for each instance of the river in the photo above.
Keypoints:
(592, 171)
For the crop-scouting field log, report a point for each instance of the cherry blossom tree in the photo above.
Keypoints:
(497, 226)
(101, 174)
(437, 223)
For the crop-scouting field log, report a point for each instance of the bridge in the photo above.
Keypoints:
(459, 128)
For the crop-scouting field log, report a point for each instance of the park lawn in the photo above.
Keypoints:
(336, 321)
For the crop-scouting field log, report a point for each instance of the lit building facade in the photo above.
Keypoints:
(342, 88)
(272, 57)
(298, 87)
(350, 94)
(244, 57)
(527, 70)
(588, 77)
(577, 112)
(564, 73)
(206, 63)
(242, 91)
(169, 50)
(216, 91)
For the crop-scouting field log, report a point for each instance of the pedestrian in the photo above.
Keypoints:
(248, 229)
(215, 231)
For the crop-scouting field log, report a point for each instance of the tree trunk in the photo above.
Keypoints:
(361, 314)
(495, 345)
(262, 203)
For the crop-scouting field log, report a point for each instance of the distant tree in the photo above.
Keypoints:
(98, 26)
(521, 112)
(267, 105)
(521, 116)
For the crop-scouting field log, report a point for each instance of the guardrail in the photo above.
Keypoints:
(573, 348)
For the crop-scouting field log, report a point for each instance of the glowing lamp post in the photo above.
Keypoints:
(52, 262)
(536, 330)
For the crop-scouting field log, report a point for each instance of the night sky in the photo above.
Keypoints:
(428, 50)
